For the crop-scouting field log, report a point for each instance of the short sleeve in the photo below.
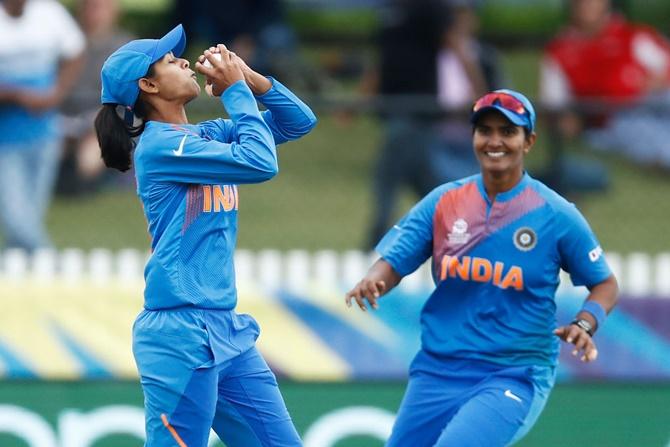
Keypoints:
(580, 252)
(71, 40)
(409, 243)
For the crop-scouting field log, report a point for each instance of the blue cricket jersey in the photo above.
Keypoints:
(187, 177)
(496, 268)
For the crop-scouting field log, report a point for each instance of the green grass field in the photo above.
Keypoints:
(321, 198)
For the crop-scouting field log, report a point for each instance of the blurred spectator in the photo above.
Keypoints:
(82, 169)
(601, 56)
(430, 59)
(466, 69)
(257, 30)
(40, 57)
(408, 42)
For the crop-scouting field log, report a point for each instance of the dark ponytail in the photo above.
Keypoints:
(115, 137)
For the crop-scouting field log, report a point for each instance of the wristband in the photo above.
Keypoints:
(596, 311)
(585, 325)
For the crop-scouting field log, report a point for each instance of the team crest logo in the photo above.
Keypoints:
(459, 233)
(525, 239)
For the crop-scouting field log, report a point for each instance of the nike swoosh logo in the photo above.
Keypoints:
(508, 393)
(180, 150)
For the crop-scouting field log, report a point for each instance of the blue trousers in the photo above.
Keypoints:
(27, 175)
(200, 369)
(469, 404)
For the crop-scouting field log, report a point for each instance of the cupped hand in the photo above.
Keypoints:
(223, 72)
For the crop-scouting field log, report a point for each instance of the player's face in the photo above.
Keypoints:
(174, 79)
(499, 145)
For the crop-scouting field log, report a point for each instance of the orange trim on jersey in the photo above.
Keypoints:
(173, 432)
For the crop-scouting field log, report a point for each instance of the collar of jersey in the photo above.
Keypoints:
(187, 128)
(507, 195)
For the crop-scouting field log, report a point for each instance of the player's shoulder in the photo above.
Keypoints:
(558, 204)
(455, 190)
(466, 182)
(461, 189)
(157, 132)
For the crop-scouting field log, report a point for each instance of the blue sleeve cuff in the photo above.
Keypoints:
(277, 94)
(272, 89)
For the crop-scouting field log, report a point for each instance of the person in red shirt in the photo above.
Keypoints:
(625, 67)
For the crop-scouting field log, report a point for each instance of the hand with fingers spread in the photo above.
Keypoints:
(581, 340)
(222, 72)
(379, 280)
(370, 289)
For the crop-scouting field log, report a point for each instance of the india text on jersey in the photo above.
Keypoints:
(219, 197)
(481, 270)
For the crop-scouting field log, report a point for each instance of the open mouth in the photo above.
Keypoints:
(497, 154)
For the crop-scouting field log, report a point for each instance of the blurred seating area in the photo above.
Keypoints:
(330, 52)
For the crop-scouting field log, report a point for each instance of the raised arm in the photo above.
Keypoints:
(181, 155)
(288, 117)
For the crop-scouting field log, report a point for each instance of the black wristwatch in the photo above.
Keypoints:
(584, 324)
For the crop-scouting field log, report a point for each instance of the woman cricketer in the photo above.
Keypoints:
(489, 336)
(196, 356)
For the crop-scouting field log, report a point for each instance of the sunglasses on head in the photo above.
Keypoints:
(503, 100)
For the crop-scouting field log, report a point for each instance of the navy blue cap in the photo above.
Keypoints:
(525, 119)
(128, 64)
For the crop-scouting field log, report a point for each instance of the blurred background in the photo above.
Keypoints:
(391, 82)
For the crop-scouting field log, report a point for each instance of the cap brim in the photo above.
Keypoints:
(174, 41)
(513, 117)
